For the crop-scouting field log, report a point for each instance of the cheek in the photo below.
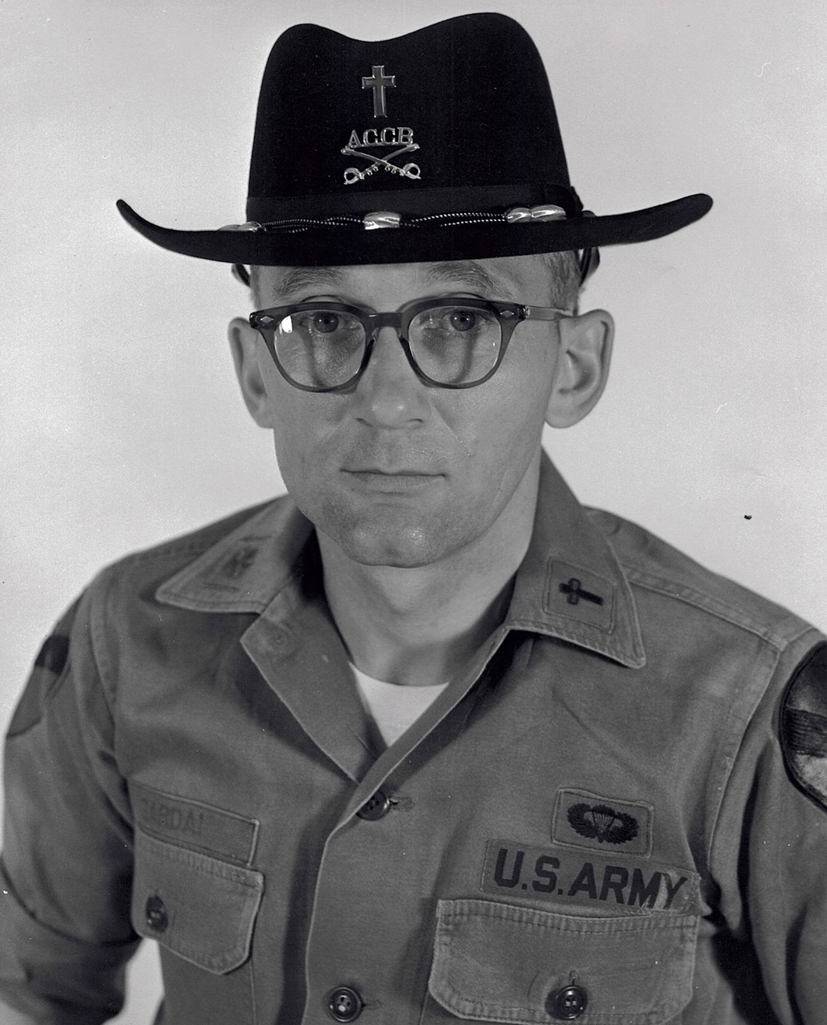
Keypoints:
(303, 425)
(289, 420)
(505, 416)
(295, 438)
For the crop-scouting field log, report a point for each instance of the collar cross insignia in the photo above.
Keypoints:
(239, 562)
(379, 82)
(574, 592)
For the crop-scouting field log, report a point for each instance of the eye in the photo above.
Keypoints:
(325, 322)
(463, 320)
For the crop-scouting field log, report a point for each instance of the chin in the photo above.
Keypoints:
(406, 551)
(383, 543)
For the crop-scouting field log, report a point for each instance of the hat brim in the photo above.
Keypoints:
(344, 246)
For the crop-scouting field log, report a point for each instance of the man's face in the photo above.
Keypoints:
(394, 471)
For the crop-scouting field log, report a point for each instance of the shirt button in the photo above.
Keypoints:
(156, 914)
(376, 808)
(568, 1003)
(344, 1004)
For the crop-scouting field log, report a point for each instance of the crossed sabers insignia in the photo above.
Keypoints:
(410, 170)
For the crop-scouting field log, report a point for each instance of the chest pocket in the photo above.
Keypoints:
(499, 962)
(196, 906)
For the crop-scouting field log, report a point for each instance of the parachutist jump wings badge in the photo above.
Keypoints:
(602, 823)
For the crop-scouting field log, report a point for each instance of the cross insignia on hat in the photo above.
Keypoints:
(379, 82)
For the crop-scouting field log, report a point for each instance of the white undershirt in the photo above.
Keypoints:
(392, 706)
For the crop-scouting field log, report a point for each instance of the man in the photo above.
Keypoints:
(425, 741)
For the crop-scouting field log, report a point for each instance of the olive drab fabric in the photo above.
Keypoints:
(597, 822)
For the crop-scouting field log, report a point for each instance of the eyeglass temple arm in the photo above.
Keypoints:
(543, 312)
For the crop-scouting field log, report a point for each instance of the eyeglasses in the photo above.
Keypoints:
(450, 342)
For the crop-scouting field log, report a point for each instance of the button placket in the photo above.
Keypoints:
(375, 807)
(155, 911)
(344, 1004)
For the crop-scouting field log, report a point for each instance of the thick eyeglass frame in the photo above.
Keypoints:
(508, 315)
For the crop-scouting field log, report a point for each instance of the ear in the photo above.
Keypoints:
(244, 345)
(582, 367)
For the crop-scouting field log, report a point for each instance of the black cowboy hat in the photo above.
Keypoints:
(445, 139)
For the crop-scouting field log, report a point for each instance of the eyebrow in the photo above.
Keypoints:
(470, 273)
(467, 272)
(294, 279)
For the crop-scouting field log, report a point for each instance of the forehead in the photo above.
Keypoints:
(516, 278)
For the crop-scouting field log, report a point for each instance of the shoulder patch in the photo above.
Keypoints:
(47, 670)
(53, 654)
(803, 725)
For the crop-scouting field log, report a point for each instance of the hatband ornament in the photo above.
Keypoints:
(441, 144)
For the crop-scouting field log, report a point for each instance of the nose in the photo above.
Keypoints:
(389, 394)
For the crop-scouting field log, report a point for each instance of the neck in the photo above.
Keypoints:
(421, 626)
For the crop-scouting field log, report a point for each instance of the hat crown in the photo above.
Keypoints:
(447, 136)
(467, 101)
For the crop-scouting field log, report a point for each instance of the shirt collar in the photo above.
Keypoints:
(570, 585)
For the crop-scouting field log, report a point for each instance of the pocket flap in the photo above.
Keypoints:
(199, 907)
(499, 962)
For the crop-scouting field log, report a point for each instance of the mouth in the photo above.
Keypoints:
(393, 480)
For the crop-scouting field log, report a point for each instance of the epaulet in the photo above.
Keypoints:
(803, 725)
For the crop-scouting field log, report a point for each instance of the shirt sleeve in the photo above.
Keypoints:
(65, 931)
(769, 855)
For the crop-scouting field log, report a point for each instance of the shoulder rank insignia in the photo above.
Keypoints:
(803, 725)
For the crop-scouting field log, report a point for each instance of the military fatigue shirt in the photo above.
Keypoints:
(613, 816)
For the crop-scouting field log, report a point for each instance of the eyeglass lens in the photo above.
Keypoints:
(451, 344)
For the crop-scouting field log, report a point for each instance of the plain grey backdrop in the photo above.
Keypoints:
(121, 422)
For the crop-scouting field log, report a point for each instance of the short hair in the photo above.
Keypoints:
(565, 275)
(255, 283)
(564, 279)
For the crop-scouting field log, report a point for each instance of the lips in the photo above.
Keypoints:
(393, 473)
(393, 480)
